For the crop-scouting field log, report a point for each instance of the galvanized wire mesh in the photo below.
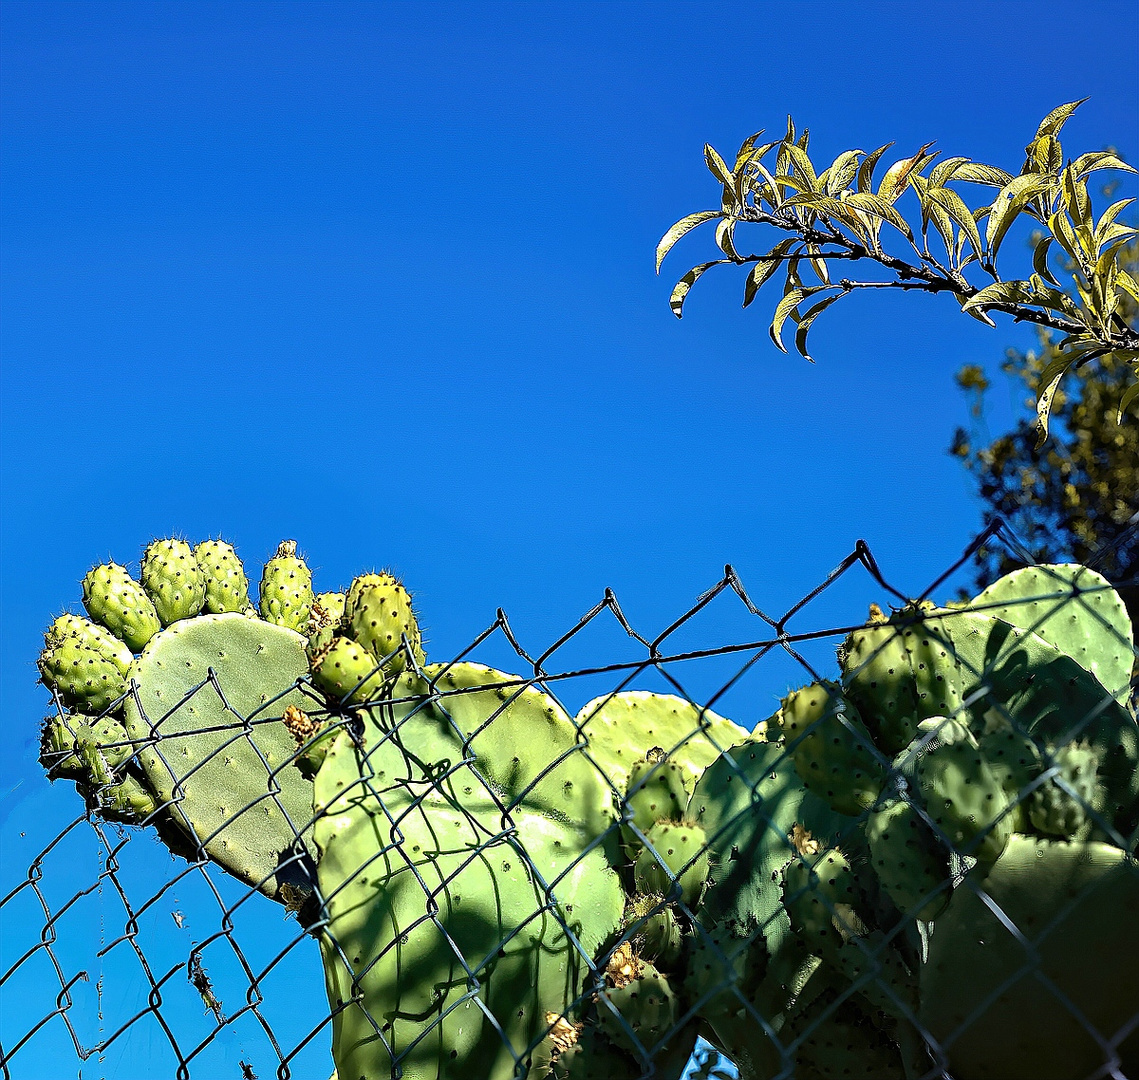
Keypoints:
(131, 960)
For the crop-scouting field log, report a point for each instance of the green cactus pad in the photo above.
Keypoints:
(476, 791)
(1075, 904)
(655, 930)
(623, 727)
(820, 893)
(61, 736)
(227, 587)
(286, 589)
(327, 611)
(1076, 610)
(1014, 759)
(195, 751)
(837, 1040)
(832, 750)
(173, 580)
(115, 600)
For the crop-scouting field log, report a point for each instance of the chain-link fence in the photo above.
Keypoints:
(899, 845)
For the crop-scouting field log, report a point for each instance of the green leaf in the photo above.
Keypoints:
(894, 182)
(717, 167)
(1009, 202)
(724, 238)
(1128, 284)
(771, 190)
(1107, 217)
(866, 169)
(786, 306)
(1054, 300)
(680, 291)
(1049, 381)
(765, 268)
(976, 173)
(879, 207)
(955, 207)
(744, 151)
(1055, 120)
(803, 167)
(1046, 154)
(841, 172)
(752, 161)
(1129, 395)
(1040, 260)
(809, 317)
(1099, 159)
(1062, 229)
(943, 171)
(1000, 292)
(684, 225)
(1076, 201)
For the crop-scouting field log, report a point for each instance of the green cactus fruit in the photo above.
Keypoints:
(379, 618)
(748, 802)
(61, 736)
(1074, 609)
(92, 635)
(837, 1040)
(127, 802)
(327, 611)
(346, 672)
(723, 973)
(1054, 699)
(820, 895)
(499, 818)
(114, 599)
(173, 580)
(227, 587)
(832, 750)
(286, 589)
(206, 716)
(872, 964)
(674, 863)
(83, 677)
(963, 797)
(639, 1015)
(621, 728)
(656, 932)
(911, 863)
(592, 1056)
(1014, 760)
(1047, 1000)
(655, 793)
(1061, 805)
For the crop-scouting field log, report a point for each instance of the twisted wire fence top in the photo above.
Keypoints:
(126, 959)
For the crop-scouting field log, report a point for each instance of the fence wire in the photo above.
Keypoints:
(491, 882)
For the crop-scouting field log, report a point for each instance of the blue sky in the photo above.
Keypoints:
(379, 277)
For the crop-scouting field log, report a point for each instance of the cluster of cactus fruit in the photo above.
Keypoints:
(869, 883)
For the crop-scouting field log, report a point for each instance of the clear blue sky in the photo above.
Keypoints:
(379, 277)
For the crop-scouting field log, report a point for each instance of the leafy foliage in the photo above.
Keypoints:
(837, 215)
(1078, 499)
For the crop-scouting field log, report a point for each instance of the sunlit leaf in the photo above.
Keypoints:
(1099, 159)
(1054, 300)
(1047, 154)
(684, 225)
(770, 190)
(785, 307)
(1111, 234)
(803, 167)
(1107, 217)
(1040, 260)
(1062, 229)
(879, 207)
(975, 173)
(866, 169)
(1050, 381)
(725, 238)
(1055, 120)
(1000, 292)
(680, 291)
(1076, 201)
(717, 167)
(841, 171)
(745, 150)
(1129, 395)
(745, 170)
(894, 182)
(1009, 202)
(1109, 255)
(765, 268)
(809, 317)
(1128, 284)
(955, 207)
(943, 171)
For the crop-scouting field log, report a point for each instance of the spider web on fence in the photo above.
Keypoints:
(118, 954)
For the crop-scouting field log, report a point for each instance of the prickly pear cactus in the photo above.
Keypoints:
(286, 589)
(227, 587)
(119, 603)
(173, 580)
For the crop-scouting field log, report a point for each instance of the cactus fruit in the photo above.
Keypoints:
(621, 728)
(1061, 805)
(655, 928)
(1014, 760)
(60, 740)
(964, 798)
(227, 587)
(820, 895)
(379, 617)
(640, 1013)
(1076, 610)
(832, 750)
(173, 580)
(655, 793)
(500, 816)
(346, 672)
(1067, 972)
(286, 589)
(93, 636)
(206, 715)
(83, 677)
(910, 861)
(327, 611)
(674, 863)
(115, 600)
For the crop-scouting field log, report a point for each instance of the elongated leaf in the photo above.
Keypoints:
(1046, 154)
(1076, 200)
(1108, 216)
(1009, 202)
(1049, 382)
(684, 225)
(717, 167)
(1129, 395)
(785, 307)
(809, 317)
(744, 152)
(1062, 229)
(1055, 300)
(765, 268)
(943, 171)
(894, 182)
(842, 170)
(879, 207)
(955, 207)
(976, 173)
(1099, 159)
(725, 238)
(866, 169)
(1000, 292)
(1113, 233)
(1040, 260)
(680, 290)
(746, 170)
(1128, 284)
(1055, 120)
(803, 167)
(1109, 255)
(770, 190)
(824, 206)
